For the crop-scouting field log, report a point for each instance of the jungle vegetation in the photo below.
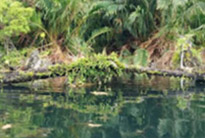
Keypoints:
(151, 33)
(104, 36)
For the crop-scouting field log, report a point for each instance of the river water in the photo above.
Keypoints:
(154, 107)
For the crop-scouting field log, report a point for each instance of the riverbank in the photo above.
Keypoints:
(30, 64)
(98, 68)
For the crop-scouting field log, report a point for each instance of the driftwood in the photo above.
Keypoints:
(20, 76)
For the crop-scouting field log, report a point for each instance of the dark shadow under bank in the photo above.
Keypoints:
(133, 84)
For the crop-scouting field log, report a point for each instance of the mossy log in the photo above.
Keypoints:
(20, 76)
(160, 72)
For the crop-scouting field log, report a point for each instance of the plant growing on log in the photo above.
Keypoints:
(97, 68)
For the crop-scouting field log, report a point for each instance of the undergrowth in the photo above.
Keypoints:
(14, 58)
(98, 68)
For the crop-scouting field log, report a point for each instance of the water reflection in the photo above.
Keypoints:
(127, 111)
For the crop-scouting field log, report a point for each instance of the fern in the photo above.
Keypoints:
(127, 18)
(99, 32)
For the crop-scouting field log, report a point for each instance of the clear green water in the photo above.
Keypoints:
(137, 109)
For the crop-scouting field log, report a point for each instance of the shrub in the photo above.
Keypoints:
(14, 19)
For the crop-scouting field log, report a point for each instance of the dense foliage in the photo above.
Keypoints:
(89, 41)
(82, 27)
(14, 20)
(96, 69)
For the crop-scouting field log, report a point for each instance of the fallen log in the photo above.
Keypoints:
(25, 76)
(161, 72)
(19, 76)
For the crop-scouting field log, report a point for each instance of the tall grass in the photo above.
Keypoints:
(62, 20)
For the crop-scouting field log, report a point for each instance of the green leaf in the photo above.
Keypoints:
(141, 57)
(99, 32)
